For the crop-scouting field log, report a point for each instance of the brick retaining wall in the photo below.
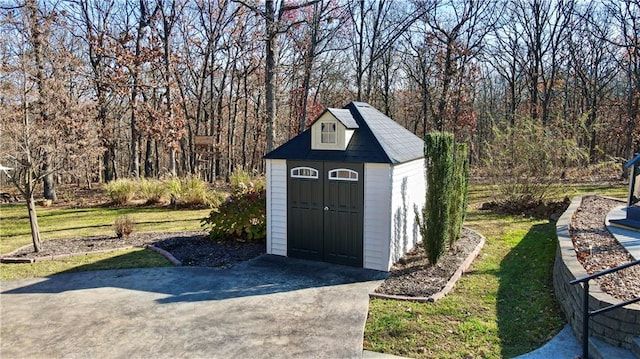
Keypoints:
(617, 327)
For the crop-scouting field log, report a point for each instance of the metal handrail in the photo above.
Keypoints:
(586, 313)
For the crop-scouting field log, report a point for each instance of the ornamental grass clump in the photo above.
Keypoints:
(153, 191)
(239, 176)
(190, 192)
(123, 226)
(121, 191)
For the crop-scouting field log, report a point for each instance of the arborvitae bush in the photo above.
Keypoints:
(439, 163)
(459, 192)
(447, 173)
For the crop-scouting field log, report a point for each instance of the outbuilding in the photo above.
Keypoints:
(344, 191)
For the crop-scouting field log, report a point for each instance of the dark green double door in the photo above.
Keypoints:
(325, 211)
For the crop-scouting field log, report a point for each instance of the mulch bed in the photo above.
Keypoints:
(192, 248)
(598, 250)
(413, 276)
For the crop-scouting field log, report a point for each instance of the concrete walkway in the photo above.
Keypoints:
(629, 239)
(267, 307)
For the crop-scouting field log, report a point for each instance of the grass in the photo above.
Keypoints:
(134, 258)
(502, 307)
(58, 223)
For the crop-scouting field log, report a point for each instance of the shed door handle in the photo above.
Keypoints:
(326, 208)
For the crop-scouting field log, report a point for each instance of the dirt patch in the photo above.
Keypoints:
(598, 250)
(544, 210)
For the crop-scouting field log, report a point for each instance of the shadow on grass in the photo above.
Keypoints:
(136, 259)
(139, 224)
(528, 314)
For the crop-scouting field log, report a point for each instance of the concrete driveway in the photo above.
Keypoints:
(270, 307)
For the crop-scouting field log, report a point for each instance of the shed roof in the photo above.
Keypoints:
(377, 139)
(344, 116)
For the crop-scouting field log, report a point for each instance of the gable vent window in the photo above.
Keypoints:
(343, 174)
(328, 133)
(304, 172)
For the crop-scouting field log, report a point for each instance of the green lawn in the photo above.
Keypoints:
(132, 258)
(68, 223)
(502, 307)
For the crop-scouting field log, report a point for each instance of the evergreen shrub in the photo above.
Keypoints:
(447, 173)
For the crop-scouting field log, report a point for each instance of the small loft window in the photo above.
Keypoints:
(328, 133)
(304, 172)
(343, 174)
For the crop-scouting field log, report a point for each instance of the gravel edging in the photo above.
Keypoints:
(450, 283)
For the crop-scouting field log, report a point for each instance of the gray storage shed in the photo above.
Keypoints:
(344, 190)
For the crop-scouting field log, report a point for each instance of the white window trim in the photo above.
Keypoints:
(313, 170)
(350, 171)
(334, 133)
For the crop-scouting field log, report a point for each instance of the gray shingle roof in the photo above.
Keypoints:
(376, 139)
(344, 116)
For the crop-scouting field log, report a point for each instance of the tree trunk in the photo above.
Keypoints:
(49, 190)
(148, 163)
(360, 54)
(33, 222)
(108, 158)
(446, 82)
(270, 69)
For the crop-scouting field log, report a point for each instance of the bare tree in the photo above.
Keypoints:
(46, 127)
(625, 14)
(545, 26)
(378, 25)
(273, 15)
(594, 66)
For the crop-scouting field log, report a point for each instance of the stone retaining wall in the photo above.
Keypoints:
(619, 326)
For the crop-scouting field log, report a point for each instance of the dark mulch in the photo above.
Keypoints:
(193, 248)
(413, 276)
